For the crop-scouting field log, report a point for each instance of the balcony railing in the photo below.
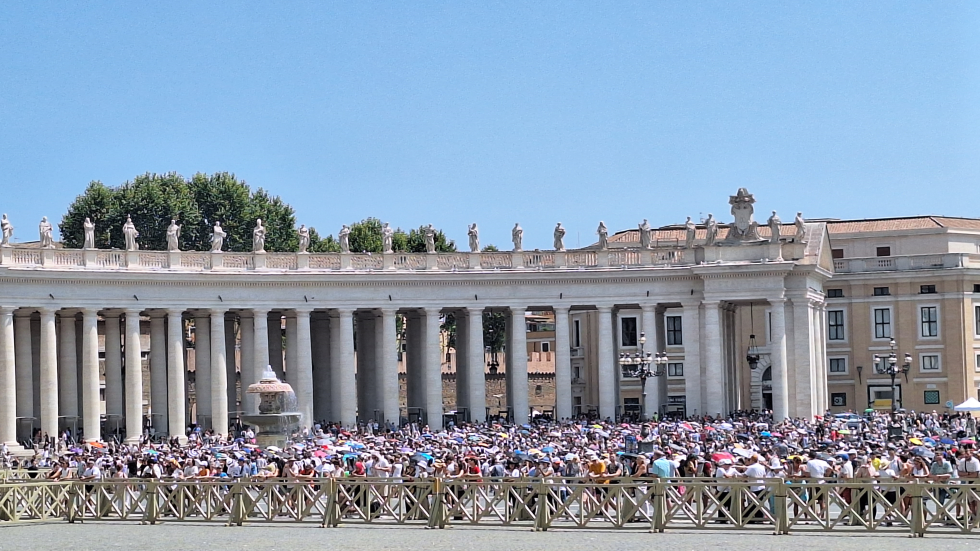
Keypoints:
(908, 262)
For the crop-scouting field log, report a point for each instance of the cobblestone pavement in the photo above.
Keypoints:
(174, 536)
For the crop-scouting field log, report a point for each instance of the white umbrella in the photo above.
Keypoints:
(972, 404)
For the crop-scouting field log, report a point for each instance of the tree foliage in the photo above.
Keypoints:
(366, 236)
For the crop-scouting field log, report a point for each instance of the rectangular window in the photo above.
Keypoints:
(675, 369)
(976, 320)
(930, 362)
(578, 333)
(883, 251)
(835, 325)
(977, 368)
(929, 321)
(976, 287)
(546, 347)
(927, 289)
(883, 323)
(835, 293)
(627, 331)
(838, 399)
(675, 335)
(836, 253)
(881, 292)
(930, 396)
(838, 365)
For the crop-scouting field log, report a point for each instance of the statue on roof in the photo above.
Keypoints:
(800, 236)
(474, 234)
(603, 236)
(690, 230)
(744, 228)
(711, 230)
(559, 238)
(774, 226)
(645, 232)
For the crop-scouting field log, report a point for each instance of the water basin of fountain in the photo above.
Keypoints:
(272, 423)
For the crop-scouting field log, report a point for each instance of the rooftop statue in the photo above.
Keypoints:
(744, 228)
(603, 236)
(386, 236)
(517, 236)
(304, 238)
(173, 236)
(691, 231)
(474, 235)
(130, 234)
(218, 236)
(47, 241)
(89, 231)
(559, 238)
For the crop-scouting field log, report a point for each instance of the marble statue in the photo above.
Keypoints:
(775, 225)
(744, 228)
(89, 231)
(800, 236)
(258, 237)
(344, 237)
(47, 242)
(474, 234)
(430, 239)
(603, 236)
(130, 234)
(645, 234)
(711, 225)
(691, 231)
(173, 236)
(387, 234)
(8, 231)
(517, 236)
(559, 237)
(304, 238)
(218, 236)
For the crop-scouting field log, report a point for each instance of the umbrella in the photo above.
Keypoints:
(923, 452)
(320, 453)
(844, 431)
(947, 441)
(869, 410)
(743, 452)
(98, 445)
(726, 426)
(718, 456)
(710, 428)
(971, 404)
(356, 445)
(915, 441)
(777, 435)
(548, 449)
(967, 441)
(422, 455)
(765, 433)
(597, 426)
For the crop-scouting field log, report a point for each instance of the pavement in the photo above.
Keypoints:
(103, 536)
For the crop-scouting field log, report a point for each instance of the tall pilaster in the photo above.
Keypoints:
(714, 383)
(805, 399)
(176, 386)
(24, 359)
(651, 406)
(67, 365)
(303, 374)
(389, 364)
(691, 337)
(346, 385)
(134, 378)
(202, 367)
(433, 369)
(8, 379)
(563, 365)
(91, 407)
(159, 416)
(49, 373)
(780, 380)
(608, 378)
(219, 373)
(517, 365)
(260, 355)
(475, 374)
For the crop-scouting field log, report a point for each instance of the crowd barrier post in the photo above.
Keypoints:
(541, 506)
(437, 515)
(917, 520)
(781, 508)
(152, 513)
(658, 520)
(331, 513)
(236, 508)
(71, 510)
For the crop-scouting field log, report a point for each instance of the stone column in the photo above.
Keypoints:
(291, 336)
(364, 373)
(335, 368)
(517, 365)
(414, 358)
(379, 366)
(176, 386)
(433, 369)
(8, 379)
(202, 367)
(649, 325)
(475, 373)
(714, 382)
(461, 361)
(134, 378)
(49, 373)
(231, 361)
(820, 362)
(67, 366)
(780, 381)
(389, 364)
(158, 373)
(274, 357)
(24, 361)
(805, 399)
(691, 337)
(303, 374)
(219, 373)
(246, 364)
(344, 370)
(91, 407)
(321, 367)
(260, 340)
(563, 365)
(608, 378)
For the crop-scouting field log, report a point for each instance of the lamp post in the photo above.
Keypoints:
(637, 365)
(888, 365)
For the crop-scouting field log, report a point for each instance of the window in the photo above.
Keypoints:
(838, 399)
(838, 365)
(677, 369)
(627, 331)
(976, 320)
(930, 362)
(881, 292)
(835, 325)
(675, 336)
(576, 372)
(929, 316)
(835, 293)
(836, 253)
(578, 333)
(931, 396)
(883, 323)
(538, 390)
(927, 289)
(976, 287)
(977, 368)
(883, 251)
(546, 347)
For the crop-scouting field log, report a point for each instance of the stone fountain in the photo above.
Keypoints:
(272, 423)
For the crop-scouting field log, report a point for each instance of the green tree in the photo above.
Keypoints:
(491, 248)
(416, 242)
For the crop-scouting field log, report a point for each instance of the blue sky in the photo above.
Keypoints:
(498, 112)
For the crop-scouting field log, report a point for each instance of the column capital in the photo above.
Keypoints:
(175, 312)
(259, 311)
(388, 311)
(560, 309)
(432, 311)
(24, 312)
(514, 308)
(711, 303)
(47, 311)
(649, 307)
(777, 300)
(302, 311)
(133, 311)
(88, 311)
(475, 310)
(604, 308)
(7, 310)
(345, 312)
(218, 312)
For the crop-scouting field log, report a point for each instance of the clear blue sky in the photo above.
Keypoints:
(497, 112)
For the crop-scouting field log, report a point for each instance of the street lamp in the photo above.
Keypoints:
(637, 365)
(888, 365)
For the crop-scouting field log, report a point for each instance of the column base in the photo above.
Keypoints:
(14, 447)
(130, 440)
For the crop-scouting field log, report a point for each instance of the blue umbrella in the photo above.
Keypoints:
(548, 449)
(765, 433)
(423, 455)
(356, 445)
(947, 441)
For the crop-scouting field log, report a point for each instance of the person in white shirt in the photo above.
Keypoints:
(755, 472)
(818, 468)
(725, 470)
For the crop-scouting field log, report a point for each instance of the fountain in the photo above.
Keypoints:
(273, 425)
